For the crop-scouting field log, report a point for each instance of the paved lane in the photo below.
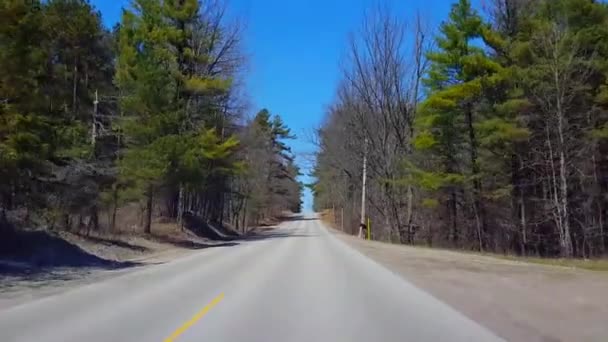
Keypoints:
(298, 284)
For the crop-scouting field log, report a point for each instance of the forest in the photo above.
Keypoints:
(103, 128)
(488, 133)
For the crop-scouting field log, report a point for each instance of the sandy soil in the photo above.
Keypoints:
(518, 301)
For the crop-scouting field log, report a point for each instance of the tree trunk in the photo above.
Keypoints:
(4, 224)
(602, 233)
(477, 206)
(409, 213)
(148, 213)
(566, 241)
(66, 222)
(75, 89)
(598, 202)
(453, 217)
(245, 217)
(555, 193)
(180, 207)
(478, 226)
(114, 209)
(80, 223)
(93, 220)
(524, 228)
(221, 209)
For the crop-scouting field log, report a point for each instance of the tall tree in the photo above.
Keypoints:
(160, 70)
(456, 81)
(510, 140)
(271, 184)
(54, 57)
(559, 57)
(24, 138)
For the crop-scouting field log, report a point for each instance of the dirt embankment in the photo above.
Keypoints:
(37, 263)
(518, 301)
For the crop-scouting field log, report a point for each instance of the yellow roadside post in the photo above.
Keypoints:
(369, 229)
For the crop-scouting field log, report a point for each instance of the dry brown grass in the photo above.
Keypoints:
(601, 265)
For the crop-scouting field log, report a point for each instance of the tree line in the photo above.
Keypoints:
(148, 115)
(490, 133)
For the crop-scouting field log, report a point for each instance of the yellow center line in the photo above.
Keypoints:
(194, 319)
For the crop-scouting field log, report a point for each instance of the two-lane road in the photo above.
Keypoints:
(299, 283)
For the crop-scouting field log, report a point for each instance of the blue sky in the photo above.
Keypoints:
(295, 48)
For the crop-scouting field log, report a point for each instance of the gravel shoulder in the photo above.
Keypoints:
(518, 301)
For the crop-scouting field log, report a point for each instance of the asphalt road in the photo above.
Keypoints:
(297, 283)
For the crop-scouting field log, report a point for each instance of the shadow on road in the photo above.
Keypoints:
(265, 233)
(298, 218)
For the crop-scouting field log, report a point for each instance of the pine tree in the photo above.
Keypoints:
(53, 58)
(458, 76)
(24, 131)
(272, 171)
(160, 70)
(144, 77)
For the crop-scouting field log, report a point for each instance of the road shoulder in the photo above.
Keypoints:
(516, 300)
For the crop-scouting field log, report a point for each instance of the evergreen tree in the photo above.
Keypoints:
(24, 131)
(272, 171)
(52, 61)
(457, 79)
(160, 70)
(68, 153)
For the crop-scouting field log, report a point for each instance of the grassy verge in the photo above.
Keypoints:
(587, 264)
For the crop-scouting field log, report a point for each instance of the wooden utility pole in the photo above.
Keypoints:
(363, 189)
